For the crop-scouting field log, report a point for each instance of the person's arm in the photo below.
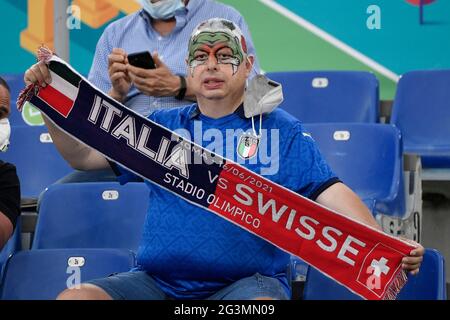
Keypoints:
(77, 154)
(99, 72)
(6, 229)
(9, 201)
(342, 199)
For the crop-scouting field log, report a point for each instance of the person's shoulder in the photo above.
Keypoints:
(7, 169)
(172, 115)
(224, 9)
(283, 120)
(290, 128)
(122, 23)
(4, 166)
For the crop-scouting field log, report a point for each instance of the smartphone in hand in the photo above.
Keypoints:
(142, 60)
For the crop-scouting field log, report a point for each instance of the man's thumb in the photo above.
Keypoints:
(157, 60)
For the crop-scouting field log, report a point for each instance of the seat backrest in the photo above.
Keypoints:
(91, 215)
(429, 284)
(330, 96)
(37, 161)
(13, 245)
(421, 111)
(43, 274)
(366, 157)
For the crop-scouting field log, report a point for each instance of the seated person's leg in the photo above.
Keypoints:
(85, 292)
(122, 286)
(256, 287)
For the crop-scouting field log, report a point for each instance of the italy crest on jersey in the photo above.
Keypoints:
(247, 146)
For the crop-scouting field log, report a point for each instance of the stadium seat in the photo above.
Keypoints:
(367, 158)
(15, 117)
(297, 270)
(421, 112)
(429, 284)
(43, 274)
(13, 245)
(38, 162)
(330, 96)
(91, 215)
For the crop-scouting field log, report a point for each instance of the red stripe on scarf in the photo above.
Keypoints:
(57, 100)
(365, 260)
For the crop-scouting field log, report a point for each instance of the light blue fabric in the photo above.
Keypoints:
(135, 33)
(138, 285)
(162, 9)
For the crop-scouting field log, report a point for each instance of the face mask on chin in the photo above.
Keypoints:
(162, 10)
(5, 133)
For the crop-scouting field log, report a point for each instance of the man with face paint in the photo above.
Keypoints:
(9, 182)
(186, 252)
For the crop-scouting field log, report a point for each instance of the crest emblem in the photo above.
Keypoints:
(248, 145)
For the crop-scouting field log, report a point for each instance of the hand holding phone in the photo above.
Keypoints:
(142, 60)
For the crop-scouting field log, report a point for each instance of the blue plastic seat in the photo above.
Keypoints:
(429, 284)
(91, 215)
(15, 117)
(37, 161)
(367, 158)
(13, 245)
(421, 112)
(43, 274)
(330, 96)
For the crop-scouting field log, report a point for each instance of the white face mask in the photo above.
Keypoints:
(163, 9)
(262, 96)
(5, 133)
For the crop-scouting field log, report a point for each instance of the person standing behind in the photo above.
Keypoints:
(162, 27)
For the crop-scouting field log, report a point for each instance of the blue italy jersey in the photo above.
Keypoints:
(191, 252)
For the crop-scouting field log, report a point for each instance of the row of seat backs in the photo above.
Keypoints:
(367, 157)
(91, 215)
(355, 94)
(421, 105)
(330, 96)
(36, 158)
(420, 112)
(39, 164)
(429, 284)
(43, 274)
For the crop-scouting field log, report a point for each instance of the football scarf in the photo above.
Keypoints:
(363, 259)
